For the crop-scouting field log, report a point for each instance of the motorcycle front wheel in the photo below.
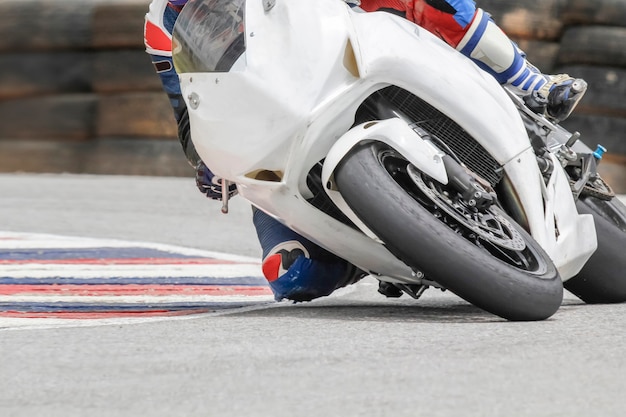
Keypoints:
(485, 258)
(603, 278)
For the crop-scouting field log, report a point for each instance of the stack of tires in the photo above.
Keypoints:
(586, 39)
(78, 93)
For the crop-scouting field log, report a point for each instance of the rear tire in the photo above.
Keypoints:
(374, 181)
(603, 278)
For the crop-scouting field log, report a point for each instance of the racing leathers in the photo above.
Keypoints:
(473, 33)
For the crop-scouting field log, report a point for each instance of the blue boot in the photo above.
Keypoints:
(296, 268)
(489, 47)
(564, 93)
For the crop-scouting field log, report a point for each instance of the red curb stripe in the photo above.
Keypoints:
(133, 289)
(78, 315)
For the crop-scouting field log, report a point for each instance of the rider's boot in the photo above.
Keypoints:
(487, 45)
(297, 269)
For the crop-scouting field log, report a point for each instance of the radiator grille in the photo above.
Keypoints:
(465, 147)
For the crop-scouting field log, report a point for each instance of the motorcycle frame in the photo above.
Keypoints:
(290, 101)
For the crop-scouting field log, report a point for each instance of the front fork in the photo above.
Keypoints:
(581, 167)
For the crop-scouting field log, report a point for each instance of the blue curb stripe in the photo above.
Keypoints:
(245, 281)
(34, 254)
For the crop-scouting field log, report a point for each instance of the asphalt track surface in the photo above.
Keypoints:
(351, 354)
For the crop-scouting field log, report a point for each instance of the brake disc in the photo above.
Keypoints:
(489, 224)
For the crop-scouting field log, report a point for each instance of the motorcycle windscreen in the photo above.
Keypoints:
(209, 36)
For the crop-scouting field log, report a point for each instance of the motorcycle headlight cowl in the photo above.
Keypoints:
(209, 36)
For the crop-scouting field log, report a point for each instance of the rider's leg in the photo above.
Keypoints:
(158, 27)
(296, 268)
(472, 32)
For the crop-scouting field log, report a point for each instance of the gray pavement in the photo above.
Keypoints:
(351, 354)
(156, 209)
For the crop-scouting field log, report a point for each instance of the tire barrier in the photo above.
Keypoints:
(543, 54)
(75, 81)
(527, 19)
(30, 25)
(75, 72)
(594, 45)
(597, 54)
(595, 12)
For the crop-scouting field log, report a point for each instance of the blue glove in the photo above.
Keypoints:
(211, 185)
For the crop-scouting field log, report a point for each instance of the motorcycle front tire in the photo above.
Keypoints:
(424, 242)
(603, 278)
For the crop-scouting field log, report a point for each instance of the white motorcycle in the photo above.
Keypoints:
(377, 141)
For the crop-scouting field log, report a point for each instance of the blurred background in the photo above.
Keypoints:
(78, 94)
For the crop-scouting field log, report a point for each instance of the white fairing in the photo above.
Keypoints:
(290, 101)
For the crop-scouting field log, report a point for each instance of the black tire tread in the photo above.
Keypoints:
(593, 45)
(416, 237)
(603, 278)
